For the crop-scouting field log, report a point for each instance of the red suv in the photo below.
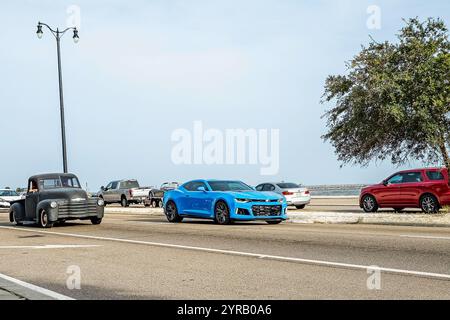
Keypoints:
(427, 189)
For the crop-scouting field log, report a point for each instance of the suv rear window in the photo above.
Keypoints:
(435, 175)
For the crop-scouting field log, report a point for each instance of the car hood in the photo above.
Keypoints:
(255, 195)
(69, 194)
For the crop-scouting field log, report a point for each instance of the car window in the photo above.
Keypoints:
(268, 187)
(398, 178)
(129, 184)
(194, 185)
(259, 187)
(435, 175)
(411, 177)
(287, 185)
(3, 193)
(114, 185)
(49, 183)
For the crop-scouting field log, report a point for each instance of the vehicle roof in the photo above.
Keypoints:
(52, 175)
(422, 169)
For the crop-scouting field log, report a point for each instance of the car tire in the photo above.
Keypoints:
(153, 203)
(124, 202)
(43, 220)
(429, 203)
(96, 220)
(369, 204)
(222, 213)
(160, 204)
(171, 212)
(273, 221)
(300, 207)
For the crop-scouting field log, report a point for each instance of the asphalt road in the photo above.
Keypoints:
(141, 256)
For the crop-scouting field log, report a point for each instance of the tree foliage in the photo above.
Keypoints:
(394, 101)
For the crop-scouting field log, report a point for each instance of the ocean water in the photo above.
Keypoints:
(336, 190)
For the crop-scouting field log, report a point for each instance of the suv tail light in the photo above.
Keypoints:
(307, 192)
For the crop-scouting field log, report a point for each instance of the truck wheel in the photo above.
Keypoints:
(124, 202)
(153, 203)
(160, 204)
(96, 220)
(13, 218)
(43, 220)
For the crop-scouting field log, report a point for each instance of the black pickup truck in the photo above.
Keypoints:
(55, 197)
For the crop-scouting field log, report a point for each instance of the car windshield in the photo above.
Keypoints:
(8, 193)
(287, 185)
(70, 182)
(228, 186)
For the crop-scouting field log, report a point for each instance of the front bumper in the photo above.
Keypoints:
(259, 211)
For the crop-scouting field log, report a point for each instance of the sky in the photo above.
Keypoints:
(146, 69)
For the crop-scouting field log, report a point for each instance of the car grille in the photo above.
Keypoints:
(78, 208)
(266, 210)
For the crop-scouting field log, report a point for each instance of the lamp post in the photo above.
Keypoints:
(58, 35)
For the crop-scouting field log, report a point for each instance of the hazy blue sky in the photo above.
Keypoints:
(143, 69)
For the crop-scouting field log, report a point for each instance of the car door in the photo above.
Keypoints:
(31, 200)
(107, 193)
(411, 188)
(198, 200)
(389, 193)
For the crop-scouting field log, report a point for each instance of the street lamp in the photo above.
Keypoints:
(58, 35)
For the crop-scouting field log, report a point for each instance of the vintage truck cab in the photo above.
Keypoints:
(55, 197)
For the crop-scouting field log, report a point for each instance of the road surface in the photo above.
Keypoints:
(141, 256)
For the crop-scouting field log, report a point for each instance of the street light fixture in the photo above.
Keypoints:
(58, 35)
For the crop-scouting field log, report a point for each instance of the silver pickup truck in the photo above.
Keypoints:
(124, 192)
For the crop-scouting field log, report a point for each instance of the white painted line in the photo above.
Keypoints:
(425, 237)
(37, 289)
(245, 254)
(51, 246)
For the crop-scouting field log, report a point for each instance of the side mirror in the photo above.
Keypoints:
(102, 188)
(201, 189)
(385, 183)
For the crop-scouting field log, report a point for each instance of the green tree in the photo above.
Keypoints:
(394, 101)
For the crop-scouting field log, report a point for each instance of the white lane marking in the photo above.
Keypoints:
(52, 246)
(34, 288)
(245, 254)
(424, 237)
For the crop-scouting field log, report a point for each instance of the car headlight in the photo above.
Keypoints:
(243, 200)
(100, 202)
(53, 204)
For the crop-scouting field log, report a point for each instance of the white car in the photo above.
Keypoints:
(294, 194)
(7, 195)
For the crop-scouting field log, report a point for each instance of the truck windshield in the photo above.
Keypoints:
(229, 186)
(62, 182)
(70, 182)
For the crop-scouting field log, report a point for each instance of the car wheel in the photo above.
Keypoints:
(96, 220)
(172, 212)
(154, 204)
(301, 207)
(124, 202)
(221, 213)
(273, 221)
(43, 220)
(369, 203)
(429, 204)
(160, 204)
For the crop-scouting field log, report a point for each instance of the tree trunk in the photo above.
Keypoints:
(445, 156)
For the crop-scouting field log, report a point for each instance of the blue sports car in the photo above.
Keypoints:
(224, 202)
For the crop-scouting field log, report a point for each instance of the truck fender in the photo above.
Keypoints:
(19, 209)
(45, 205)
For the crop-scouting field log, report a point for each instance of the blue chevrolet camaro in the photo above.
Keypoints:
(224, 202)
